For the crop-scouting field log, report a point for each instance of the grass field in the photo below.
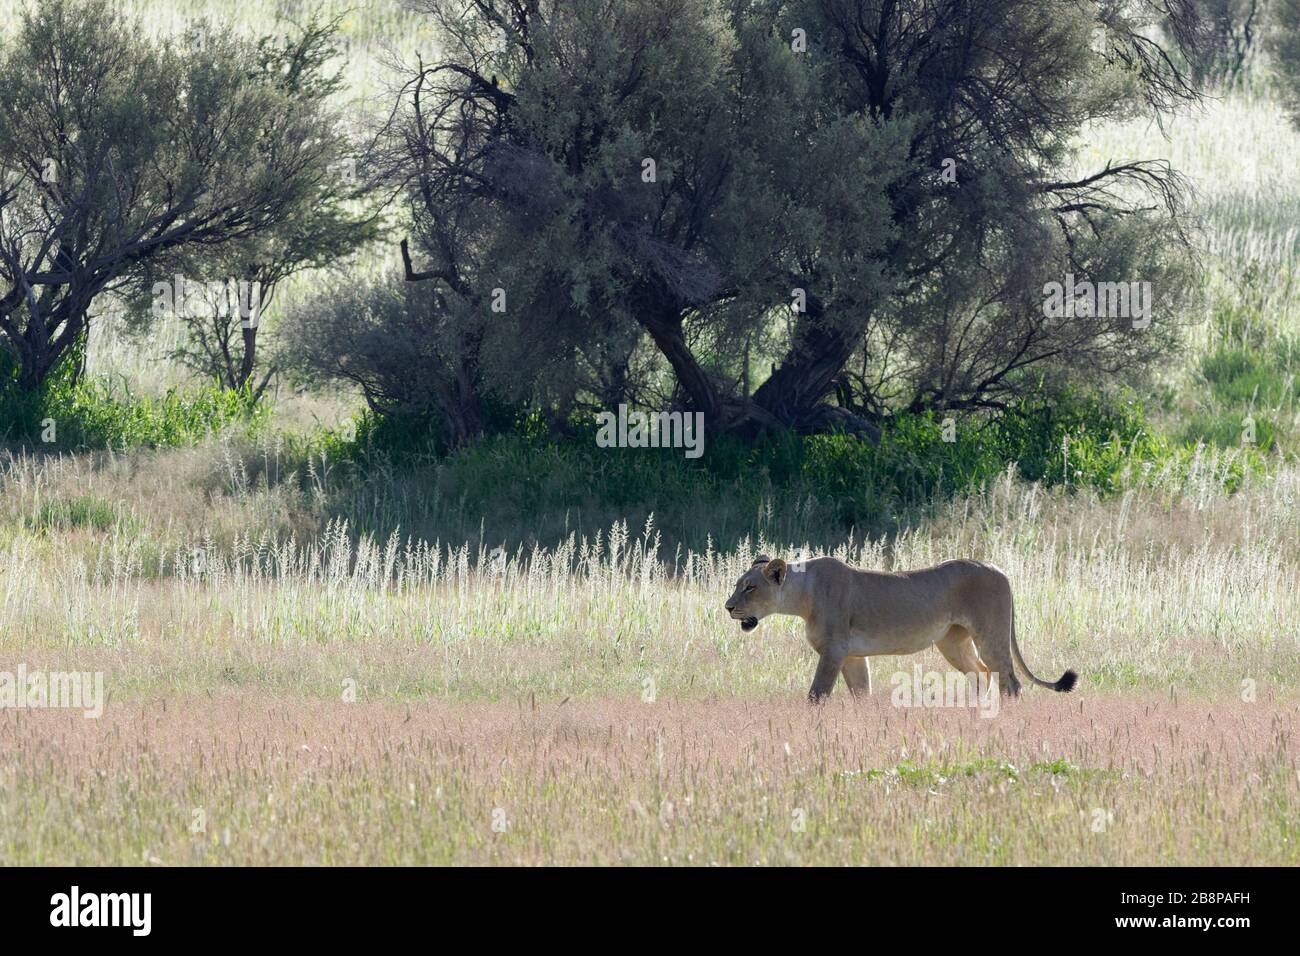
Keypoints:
(1103, 779)
(333, 701)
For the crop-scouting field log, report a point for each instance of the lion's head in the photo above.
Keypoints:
(757, 592)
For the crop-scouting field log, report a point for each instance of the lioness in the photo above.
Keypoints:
(963, 608)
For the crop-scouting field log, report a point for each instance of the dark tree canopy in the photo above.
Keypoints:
(803, 214)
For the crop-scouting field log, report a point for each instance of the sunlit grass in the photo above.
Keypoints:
(329, 698)
(248, 778)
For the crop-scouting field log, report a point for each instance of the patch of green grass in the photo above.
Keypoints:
(1252, 397)
(87, 511)
(1236, 374)
(931, 775)
(71, 413)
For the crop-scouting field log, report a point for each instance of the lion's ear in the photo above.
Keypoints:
(761, 559)
(774, 571)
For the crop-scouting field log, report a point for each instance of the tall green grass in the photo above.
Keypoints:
(70, 412)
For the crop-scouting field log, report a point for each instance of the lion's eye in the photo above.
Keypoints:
(749, 588)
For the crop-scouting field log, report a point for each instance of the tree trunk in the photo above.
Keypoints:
(790, 398)
(794, 392)
(665, 328)
(37, 359)
(249, 357)
(468, 423)
(48, 335)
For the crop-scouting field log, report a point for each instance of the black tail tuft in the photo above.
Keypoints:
(1067, 682)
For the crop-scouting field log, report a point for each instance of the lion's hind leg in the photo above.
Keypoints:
(958, 649)
(857, 676)
(993, 643)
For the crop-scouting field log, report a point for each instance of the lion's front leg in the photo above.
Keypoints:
(828, 668)
(857, 676)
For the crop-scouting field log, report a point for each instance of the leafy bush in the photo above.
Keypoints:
(67, 412)
(1084, 442)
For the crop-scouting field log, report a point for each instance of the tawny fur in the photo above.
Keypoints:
(963, 608)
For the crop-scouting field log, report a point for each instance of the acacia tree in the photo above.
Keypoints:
(742, 182)
(116, 155)
(643, 204)
(995, 94)
(499, 233)
(236, 283)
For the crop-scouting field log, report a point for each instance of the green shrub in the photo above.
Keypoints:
(1071, 440)
(67, 412)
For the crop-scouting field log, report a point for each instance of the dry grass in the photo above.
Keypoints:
(1097, 780)
(167, 577)
(228, 619)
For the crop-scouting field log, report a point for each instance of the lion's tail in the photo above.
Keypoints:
(1064, 685)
